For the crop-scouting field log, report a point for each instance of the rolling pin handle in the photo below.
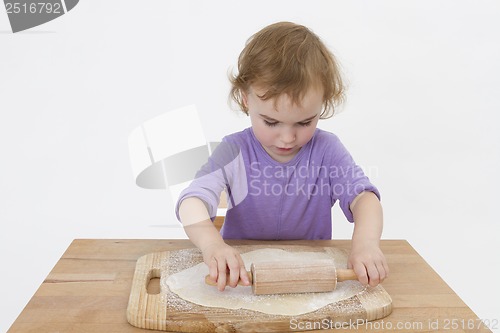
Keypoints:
(346, 274)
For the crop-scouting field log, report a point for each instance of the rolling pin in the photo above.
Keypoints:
(275, 277)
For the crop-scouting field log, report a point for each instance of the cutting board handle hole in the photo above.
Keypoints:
(153, 282)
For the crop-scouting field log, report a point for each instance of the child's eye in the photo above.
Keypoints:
(270, 124)
(307, 123)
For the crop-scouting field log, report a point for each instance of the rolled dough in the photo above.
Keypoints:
(189, 284)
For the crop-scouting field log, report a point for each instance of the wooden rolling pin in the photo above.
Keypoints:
(292, 277)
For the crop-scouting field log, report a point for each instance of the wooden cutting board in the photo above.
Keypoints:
(167, 312)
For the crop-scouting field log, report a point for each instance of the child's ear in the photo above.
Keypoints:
(244, 101)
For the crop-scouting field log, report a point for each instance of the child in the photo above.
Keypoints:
(282, 175)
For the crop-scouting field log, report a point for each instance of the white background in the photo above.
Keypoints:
(422, 118)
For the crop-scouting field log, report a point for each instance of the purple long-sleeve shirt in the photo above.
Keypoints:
(270, 200)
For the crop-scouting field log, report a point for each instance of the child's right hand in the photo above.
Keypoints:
(220, 258)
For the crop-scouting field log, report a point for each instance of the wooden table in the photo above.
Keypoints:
(88, 290)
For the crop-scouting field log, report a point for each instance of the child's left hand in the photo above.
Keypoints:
(369, 264)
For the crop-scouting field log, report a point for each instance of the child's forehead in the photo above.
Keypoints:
(311, 100)
(313, 92)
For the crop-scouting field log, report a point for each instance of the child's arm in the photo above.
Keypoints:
(366, 258)
(216, 253)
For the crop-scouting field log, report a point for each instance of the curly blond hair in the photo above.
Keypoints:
(287, 58)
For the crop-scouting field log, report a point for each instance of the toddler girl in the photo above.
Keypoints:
(283, 175)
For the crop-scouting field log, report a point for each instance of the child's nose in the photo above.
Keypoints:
(287, 136)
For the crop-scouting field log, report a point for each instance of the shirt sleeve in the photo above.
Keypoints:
(347, 179)
(212, 178)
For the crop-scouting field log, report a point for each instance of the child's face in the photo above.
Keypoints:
(281, 126)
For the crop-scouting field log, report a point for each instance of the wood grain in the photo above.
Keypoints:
(88, 289)
(301, 277)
